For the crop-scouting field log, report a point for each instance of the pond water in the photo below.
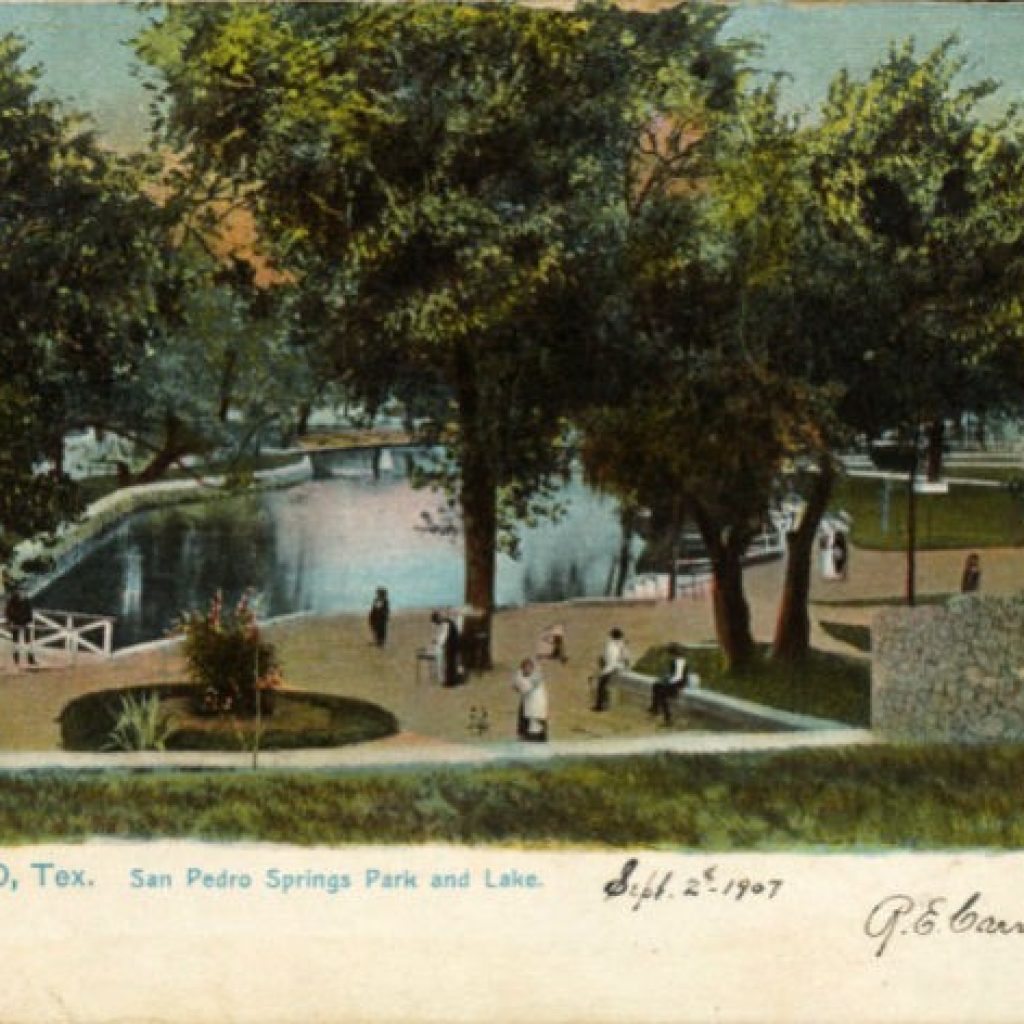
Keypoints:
(322, 546)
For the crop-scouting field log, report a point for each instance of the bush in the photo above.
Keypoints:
(227, 658)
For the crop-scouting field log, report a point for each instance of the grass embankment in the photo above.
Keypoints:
(856, 636)
(1004, 474)
(966, 517)
(882, 602)
(874, 797)
(96, 487)
(822, 685)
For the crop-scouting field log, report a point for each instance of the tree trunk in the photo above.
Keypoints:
(173, 449)
(936, 440)
(57, 454)
(627, 520)
(479, 500)
(673, 551)
(793, 627)
(731, 611)
(305, 410)
(480, 522)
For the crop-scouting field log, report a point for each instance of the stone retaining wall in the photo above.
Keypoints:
(953, 673)
(75, 541)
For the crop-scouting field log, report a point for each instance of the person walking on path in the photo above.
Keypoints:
(970, 581)
(19, 618)
(446, 645)
(380, 613)
(668, 687)
(532, 719)
(840, 555)
(615, 659)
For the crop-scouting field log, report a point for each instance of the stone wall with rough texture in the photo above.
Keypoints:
(953, 673)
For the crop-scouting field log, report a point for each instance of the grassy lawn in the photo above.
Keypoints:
(966, 517)
(849, 633)
(867, 797)
(824, 685)
(881, 602)
(1001, 473)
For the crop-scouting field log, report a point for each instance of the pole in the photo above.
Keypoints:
(912, 523)
(259, 702)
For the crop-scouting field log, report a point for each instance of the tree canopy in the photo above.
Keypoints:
(441, 182)
(84, 269)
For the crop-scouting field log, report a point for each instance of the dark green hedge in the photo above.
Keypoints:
(86, 722)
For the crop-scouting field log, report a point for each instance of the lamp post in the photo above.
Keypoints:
(912, 519)
(254, 604)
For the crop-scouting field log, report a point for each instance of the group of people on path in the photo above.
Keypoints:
(446, 641)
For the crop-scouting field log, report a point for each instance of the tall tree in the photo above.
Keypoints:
(707, 280)
(434, 177)
(84, 271)
(922, 200)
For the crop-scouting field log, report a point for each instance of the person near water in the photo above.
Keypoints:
(446, 646)
(615, 659)
(668, 687)
(532, 719)
(18, 613)
(840, 555)
(380, 613)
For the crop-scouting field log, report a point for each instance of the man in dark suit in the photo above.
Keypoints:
(19, 620)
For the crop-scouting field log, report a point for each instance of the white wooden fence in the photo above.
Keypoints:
(66, 634)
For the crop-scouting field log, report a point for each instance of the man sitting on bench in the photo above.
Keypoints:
(668, 687)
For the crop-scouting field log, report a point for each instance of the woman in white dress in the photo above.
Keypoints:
(532, 720)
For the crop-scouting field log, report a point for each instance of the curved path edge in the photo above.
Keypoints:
(76, 540)
(414, 754)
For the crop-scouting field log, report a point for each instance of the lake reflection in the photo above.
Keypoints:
(322, 546)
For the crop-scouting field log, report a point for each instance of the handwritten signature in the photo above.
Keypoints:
(900, 914)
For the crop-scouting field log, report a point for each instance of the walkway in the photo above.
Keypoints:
(332, 654)
(406, 751)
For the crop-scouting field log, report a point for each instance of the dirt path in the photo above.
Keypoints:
(333, 654)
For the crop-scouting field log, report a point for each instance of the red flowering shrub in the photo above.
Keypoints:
(227, 658)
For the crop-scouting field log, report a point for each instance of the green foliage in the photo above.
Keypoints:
(916, 193)
(227, 658)
(440, 182)
(880, 797)
(84, 264)
(142, 724)
(167, 713)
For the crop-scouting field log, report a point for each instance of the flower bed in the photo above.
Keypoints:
(300, 719)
